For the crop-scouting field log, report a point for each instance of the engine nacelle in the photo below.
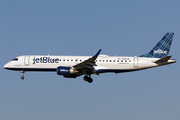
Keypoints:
(61, 70)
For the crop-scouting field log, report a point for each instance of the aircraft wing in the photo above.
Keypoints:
(87, 65)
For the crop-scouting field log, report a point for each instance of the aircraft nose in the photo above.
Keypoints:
(6, 66)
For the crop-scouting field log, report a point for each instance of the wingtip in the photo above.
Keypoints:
(97, 54)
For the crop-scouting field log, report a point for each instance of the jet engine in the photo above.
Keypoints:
(66, 71)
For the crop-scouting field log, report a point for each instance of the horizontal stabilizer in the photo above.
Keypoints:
(162, 60)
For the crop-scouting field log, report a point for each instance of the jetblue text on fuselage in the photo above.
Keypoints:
(45, 60)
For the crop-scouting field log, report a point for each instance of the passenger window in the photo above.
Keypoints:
(55, 59)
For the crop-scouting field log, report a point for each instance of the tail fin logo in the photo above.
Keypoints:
(160, 52)
(162, 48)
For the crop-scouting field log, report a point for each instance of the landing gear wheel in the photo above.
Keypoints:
(22, 77)
(88, 79)
(85, 78)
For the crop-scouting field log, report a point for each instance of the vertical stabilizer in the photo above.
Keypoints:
(162, 48)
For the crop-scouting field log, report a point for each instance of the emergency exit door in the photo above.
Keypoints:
(135, 61)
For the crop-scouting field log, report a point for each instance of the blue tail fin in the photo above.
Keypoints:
(162, 49)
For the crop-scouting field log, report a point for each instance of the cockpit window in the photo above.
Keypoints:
(15, 59)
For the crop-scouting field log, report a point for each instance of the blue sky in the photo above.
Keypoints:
(122, 28)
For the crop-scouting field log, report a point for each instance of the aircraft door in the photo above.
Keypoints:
(26, 60)
(135, 61)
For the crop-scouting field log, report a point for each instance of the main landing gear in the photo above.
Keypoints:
(22, 77)
(88, 79)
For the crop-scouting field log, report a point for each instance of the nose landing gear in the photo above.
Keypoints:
(88, 79)
(22, 77)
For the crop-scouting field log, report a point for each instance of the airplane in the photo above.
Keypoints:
(74, 66)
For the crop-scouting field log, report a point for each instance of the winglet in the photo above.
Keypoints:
(96, 55)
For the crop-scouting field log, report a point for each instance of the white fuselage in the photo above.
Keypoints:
(103, 63)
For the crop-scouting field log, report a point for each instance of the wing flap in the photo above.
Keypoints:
(85, 66)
